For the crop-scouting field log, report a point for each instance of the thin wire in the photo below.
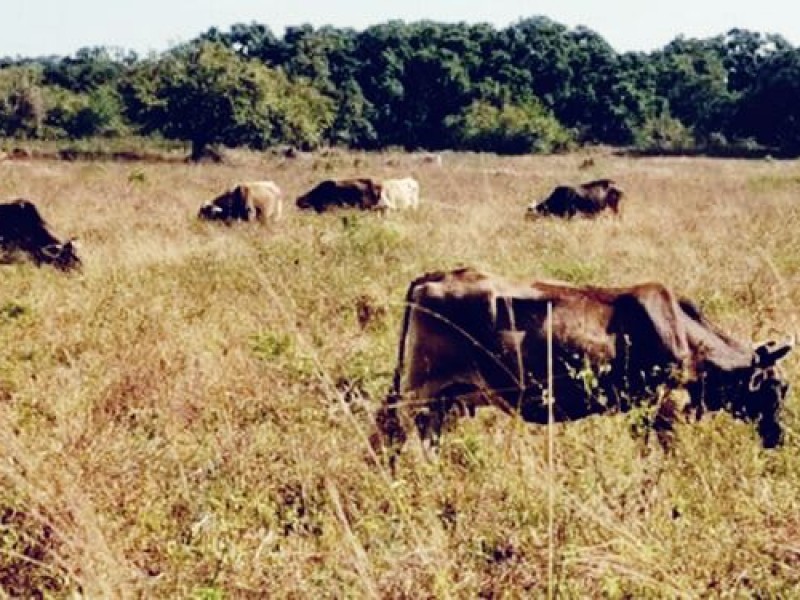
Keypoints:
(550, 458)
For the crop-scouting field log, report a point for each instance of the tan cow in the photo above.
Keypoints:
(260, 201)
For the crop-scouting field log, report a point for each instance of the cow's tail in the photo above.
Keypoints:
(401, 346)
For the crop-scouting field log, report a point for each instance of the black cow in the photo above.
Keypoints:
(586, 199)
(471, 339)
(363, 193)
(22, 229)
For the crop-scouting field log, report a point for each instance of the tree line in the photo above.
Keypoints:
(534, 86)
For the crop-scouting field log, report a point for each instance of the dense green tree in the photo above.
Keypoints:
(694, 83)
(352, 126)
(381, 51)
(89, 69)
(74, 115)
(538, 48)
(743, 53)
(416, 85)
(22, 108)
(770, 110)
(208, 94)
(250, 40)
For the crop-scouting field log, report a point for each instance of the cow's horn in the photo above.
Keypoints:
(52, 250)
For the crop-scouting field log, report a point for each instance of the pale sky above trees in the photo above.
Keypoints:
(32, 28)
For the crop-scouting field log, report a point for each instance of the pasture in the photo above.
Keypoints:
(188, 417)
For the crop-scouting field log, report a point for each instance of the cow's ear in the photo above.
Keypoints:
(769, 353)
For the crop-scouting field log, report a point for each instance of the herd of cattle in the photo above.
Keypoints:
(473, 339)
(24, 231)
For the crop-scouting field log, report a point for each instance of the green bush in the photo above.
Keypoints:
(509, 129)
(664, 133)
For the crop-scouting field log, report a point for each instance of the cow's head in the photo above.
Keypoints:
(535, 210)
(62, 256)
(210, 212)
(613, 197)
(761, 391)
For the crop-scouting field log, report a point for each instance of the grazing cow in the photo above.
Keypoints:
(22, 229)
(588, 199)
(399, 194)
(471, 339)
(361, 193)
(261, 201)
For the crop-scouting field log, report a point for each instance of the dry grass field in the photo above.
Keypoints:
(188, 417)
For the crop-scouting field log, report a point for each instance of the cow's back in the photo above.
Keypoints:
(21, 222)
(562, 202)
(263, 198)
(363, 193)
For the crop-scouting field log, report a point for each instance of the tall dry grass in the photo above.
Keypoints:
(188, 417)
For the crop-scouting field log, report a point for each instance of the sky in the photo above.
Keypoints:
(30, 28)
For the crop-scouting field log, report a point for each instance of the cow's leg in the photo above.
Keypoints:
(671, 407)
(659, 417)
(428, 423)
(663, 424)
(389, 435)
(450, 404)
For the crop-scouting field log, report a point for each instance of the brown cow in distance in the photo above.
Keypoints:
(22, 229)
(586, 199)
(362, 193)
(471, 339)
(259, 201)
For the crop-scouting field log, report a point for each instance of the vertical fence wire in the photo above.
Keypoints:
(550, 459)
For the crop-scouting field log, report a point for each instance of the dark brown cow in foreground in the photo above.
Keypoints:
(259, 201)
(586, 199)
(363, 193)
(22, 229)
(471, 339)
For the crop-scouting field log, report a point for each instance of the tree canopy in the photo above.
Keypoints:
(534, 86)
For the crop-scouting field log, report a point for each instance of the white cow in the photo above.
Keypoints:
(399, 194)
(266, 197)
